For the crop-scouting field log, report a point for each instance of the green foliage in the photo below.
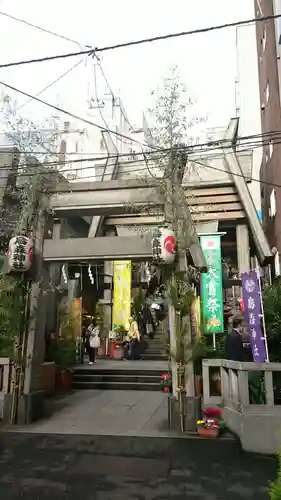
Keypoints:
(11, 307)
(275, 487)
(272, 315)
(180, 293)
(64, 353)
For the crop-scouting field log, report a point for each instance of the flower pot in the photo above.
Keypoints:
(118, 352)
(64, 380)
(166, 389)
(208, 432)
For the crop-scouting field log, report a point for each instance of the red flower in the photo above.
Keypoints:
(212, 412)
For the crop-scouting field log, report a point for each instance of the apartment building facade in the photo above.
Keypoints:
(268, 35)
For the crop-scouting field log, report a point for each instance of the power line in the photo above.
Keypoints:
(248, 142)
(51, 84)
(139, 42)
(138, 170)
(58, 35)
(49, 32)
(76, 117)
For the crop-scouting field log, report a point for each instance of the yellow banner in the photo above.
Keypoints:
(196, 316)
(122, 278)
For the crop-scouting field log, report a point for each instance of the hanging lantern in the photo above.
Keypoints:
(164, 245)
(20, 254)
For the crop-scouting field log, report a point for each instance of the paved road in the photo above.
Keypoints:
(38, 467)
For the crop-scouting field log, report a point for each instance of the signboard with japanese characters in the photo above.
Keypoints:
(164, 245)
(211, 286)
(20, 254)
(252, 312)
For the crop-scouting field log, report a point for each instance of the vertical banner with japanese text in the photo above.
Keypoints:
(211, 285)
(122, 278)
(252, 312)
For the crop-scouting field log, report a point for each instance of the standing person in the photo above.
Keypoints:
(94, 342)
(234, 342)
(134, 339)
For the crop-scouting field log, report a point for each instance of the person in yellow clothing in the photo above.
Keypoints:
(134, 339)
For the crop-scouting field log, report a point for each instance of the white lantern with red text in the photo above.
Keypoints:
(20, 254)
(164, 245)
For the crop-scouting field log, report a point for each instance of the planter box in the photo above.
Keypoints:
(48, 377)
(208, 432)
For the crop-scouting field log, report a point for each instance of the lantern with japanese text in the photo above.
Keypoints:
(164, 245)
(20, 254)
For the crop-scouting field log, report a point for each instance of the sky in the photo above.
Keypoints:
(206, 62)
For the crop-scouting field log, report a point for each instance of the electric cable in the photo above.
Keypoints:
(141, 41)
(51, 84)
(88, 122)
(68, 113)
(49, 32)
(210, 149)
(138, 170)
(58, 35)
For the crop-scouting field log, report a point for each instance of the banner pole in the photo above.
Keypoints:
(262, 315)
(214, 341)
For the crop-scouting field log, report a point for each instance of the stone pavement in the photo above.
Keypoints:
(38, 467)
(108, 412)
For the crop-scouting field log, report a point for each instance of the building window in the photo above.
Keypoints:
(264, 38)
(272, 201)
(267, 93)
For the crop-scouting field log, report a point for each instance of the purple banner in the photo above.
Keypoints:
(252, 305)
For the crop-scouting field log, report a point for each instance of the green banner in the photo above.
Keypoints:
(211, 285)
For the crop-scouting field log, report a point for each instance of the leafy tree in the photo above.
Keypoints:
(36, 144)
(272, 314)
(173, 120)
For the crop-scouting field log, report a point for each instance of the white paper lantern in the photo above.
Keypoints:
(20, 254)
(164, 245)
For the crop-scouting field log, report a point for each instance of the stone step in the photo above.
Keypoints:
(113, 377)
(122, 386)
(154, 357)
(92, 370)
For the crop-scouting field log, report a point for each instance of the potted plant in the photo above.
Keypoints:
(166, 382)
(211, 425)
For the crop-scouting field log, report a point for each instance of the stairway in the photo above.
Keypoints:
(117, 379)
(156, 347)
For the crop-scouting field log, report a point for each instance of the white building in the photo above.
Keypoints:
(248, 95)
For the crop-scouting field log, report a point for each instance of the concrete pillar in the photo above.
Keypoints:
(38, 304)
(243, 248)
